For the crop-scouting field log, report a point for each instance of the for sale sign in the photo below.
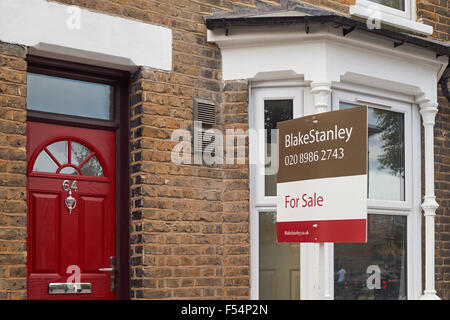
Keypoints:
(322, 178)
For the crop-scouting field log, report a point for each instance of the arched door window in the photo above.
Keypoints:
(68, 157)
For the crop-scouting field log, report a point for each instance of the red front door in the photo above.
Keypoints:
(71, 212)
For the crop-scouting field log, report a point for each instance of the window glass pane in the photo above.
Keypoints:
(376, 269)
(44, 163)
(396, 4)
(386, 154)
(59, 151)
(274, 112)
(92, 167)
(67, 96)
(68, 170)
(78, 153)
(279, 263)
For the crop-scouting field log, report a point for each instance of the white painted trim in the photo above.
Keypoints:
(325, 55)
(279, 83)
(255, 36)
(321, 286)
(428, 112)
(357, 87)
(310, 275)
(278, 89)
(259, 96)
(415, 258)
(98, 39)
(396, 18)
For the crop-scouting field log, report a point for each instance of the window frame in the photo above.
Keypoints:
(411, 207)
(408, 13)
(57, 174)
(261, 95)
(259, 92)
(404, 20)
(385, 104)
(118, 80)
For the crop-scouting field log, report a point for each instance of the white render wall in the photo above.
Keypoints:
(71, 31)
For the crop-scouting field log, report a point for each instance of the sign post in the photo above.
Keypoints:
(322, 178)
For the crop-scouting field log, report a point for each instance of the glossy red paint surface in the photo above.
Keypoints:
(59, 242)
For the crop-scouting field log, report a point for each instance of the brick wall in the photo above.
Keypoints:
(177, 249)
(189, 223)
(13, 223)
(436, 14)
(442, 168)
(236, 196)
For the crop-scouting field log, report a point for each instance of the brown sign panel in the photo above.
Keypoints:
(331, 144)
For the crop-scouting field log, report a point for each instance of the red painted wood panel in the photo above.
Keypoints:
(60, 243)
(46, 232)
(92, 237)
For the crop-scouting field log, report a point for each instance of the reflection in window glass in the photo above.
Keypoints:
(59, 151)
(279, 263)
(44, 163)
(274, 112)
(386, 154)
(70, 97)
(92, 167)
(396, 4)
(376, 269)
(78, 153)
(68, 170)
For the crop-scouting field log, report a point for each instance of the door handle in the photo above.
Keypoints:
(106, 269)
(112, 269)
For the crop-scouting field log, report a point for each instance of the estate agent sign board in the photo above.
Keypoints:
(322, 178)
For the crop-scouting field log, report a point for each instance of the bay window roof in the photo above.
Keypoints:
(321, 45)
(294, 13)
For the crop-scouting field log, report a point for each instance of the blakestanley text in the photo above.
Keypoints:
(291, 140)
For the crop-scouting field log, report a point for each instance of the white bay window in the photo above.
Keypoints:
(317, 62)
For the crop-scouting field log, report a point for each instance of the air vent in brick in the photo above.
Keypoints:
(205, 114)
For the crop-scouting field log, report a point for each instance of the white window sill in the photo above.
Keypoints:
(392, 20)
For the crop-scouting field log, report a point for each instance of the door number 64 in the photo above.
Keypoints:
(67, 186)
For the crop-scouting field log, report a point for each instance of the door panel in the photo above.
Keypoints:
(46, 234)
(93, 235)
(70, 246)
